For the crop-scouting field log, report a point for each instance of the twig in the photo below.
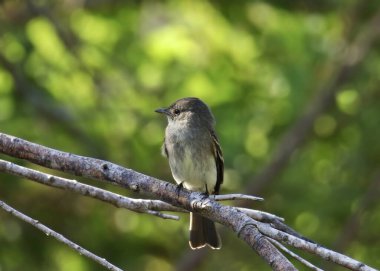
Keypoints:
(295, 256)
(260, 215)
(58, 236)
(137, 205)
(324, 253)
(235, 197)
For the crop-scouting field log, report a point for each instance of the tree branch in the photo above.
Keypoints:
(148, 206)
(137, 205)
(58, 236)
(235, 197)
(239, 222)
(253, 232)
(260, 215)
(295, 256)
(313, 248)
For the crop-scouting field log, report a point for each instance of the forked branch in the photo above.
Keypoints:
(252, 231)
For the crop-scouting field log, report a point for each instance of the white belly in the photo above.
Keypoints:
(195, 174)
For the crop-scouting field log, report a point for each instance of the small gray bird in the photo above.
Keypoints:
(195, 159)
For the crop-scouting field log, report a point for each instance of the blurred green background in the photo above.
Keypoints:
(86, 76)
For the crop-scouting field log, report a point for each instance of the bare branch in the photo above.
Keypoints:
(234, 219)
(153, 207)
(260, 215)
(313, 248)
(235, 197)
(58, 236)
(253, 232)
(295, 256)
(136, 205)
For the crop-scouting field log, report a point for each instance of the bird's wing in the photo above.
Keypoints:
(219, 162)
(164, 150)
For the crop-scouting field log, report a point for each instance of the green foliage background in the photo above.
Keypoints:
(86, 76)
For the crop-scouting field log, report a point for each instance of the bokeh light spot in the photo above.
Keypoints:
(125, 222)
(308, 222)
(68, 260)
(95, 29)
(12, 48)
(6, 82)
(47, 43)
(324, 125)
(348, 101)
(256, 142)
(155, 263)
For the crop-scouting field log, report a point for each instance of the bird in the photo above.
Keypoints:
(195, 159)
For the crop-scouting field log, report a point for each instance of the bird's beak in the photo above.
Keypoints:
(163, 111)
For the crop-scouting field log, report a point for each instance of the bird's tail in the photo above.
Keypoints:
(203, 232)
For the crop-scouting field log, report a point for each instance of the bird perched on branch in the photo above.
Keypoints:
(196, 160)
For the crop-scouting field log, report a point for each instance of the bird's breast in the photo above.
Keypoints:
(191, 159)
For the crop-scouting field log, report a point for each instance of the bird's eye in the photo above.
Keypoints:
(176, 111)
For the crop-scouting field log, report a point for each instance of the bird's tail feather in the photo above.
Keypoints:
(203, 232)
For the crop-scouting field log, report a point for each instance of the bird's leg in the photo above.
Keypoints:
(206, 193)
(178, 188)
